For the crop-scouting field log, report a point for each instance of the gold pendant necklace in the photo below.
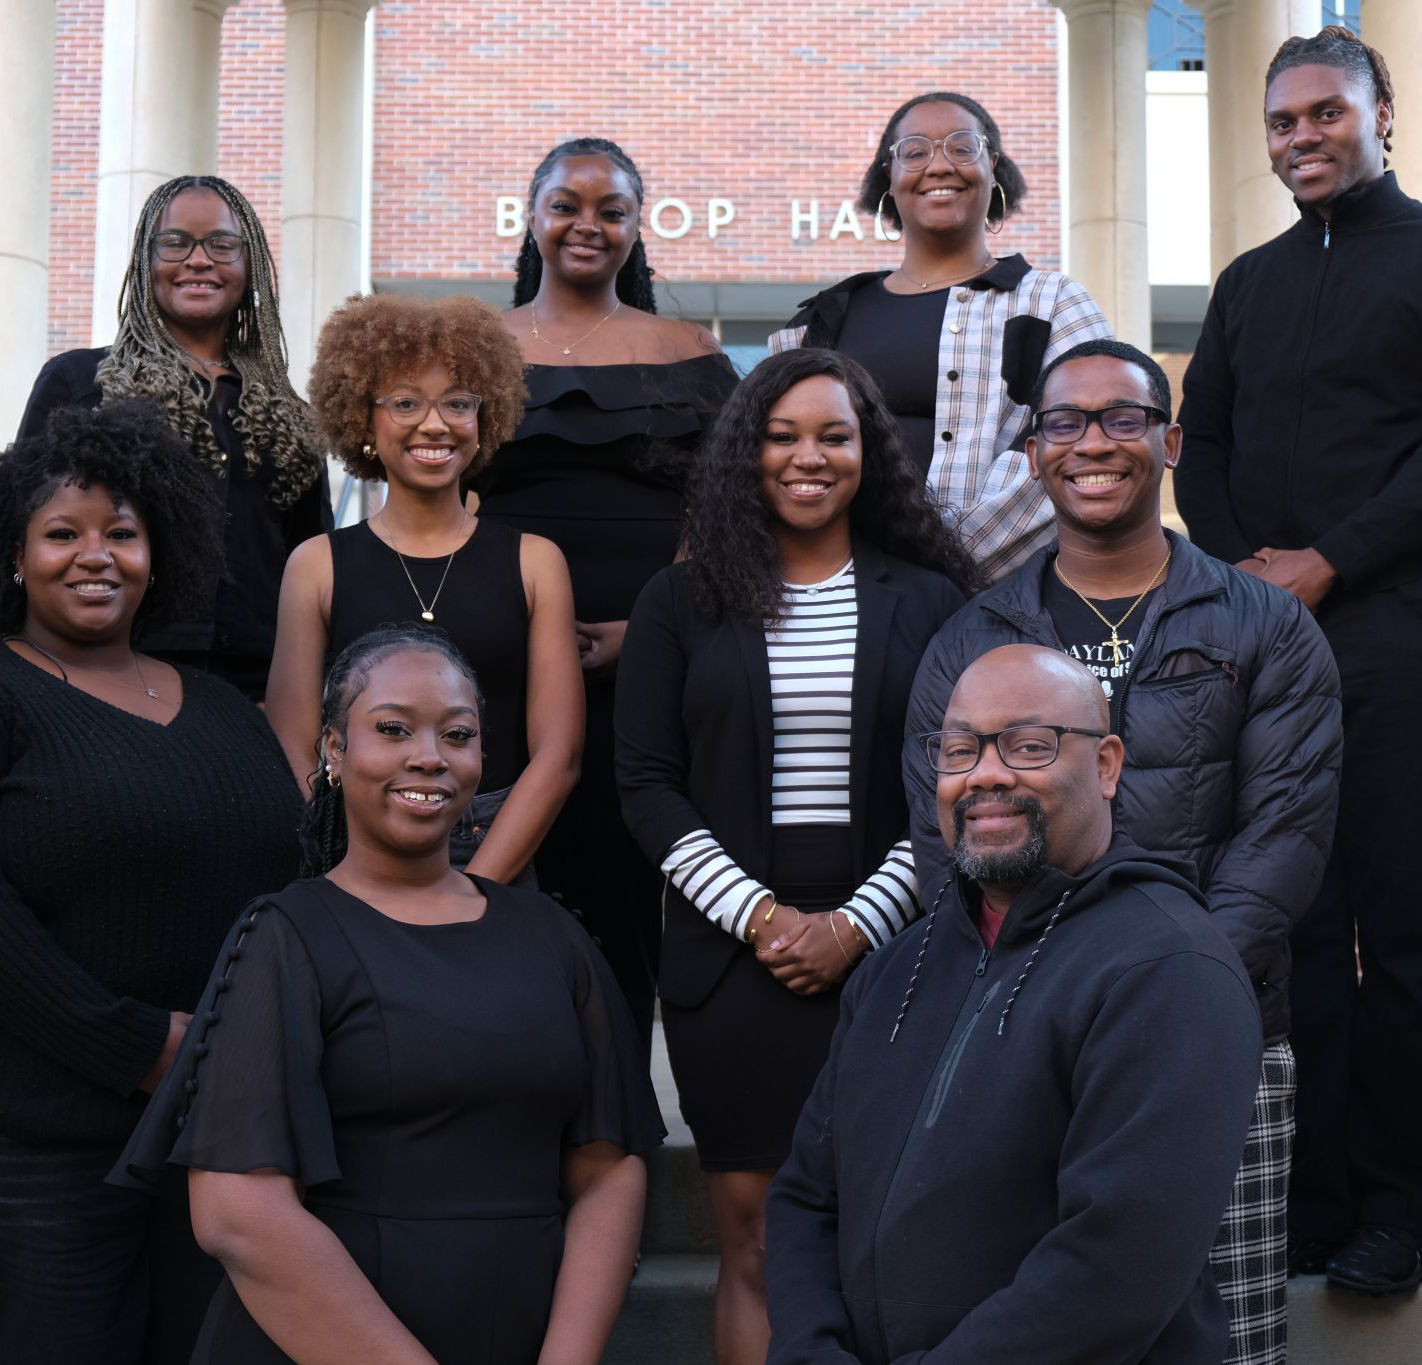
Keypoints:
(932, 284)
(426, 612)
(568, 349)
(1117, 640)
(140, 686)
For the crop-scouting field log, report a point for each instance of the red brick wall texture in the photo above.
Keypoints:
(741, 110)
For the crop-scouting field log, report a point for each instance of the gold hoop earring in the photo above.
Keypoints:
(332, 779)
(368, 451)
(1003, 193)
(881, 230)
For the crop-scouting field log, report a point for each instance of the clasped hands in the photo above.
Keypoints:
(1305, 573)
(801, 950)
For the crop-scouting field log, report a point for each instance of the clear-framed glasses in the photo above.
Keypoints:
(914, 152)
(407, 408)
(1123, 422)
(177, 245)
(1019, 746)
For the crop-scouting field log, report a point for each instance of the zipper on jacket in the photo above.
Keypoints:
(1304, 346)
(983, 964)
(1131, 677)
(1327, 234)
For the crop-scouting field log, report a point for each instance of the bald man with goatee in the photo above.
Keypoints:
(1025, 1135)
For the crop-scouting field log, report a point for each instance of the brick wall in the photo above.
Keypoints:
(758, 102)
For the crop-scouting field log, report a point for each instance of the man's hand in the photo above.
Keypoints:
(1305, 573)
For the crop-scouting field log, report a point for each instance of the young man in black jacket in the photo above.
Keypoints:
(1224, 692)
(1303, 465)
(1023, 1140)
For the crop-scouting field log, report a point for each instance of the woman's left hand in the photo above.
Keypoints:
(811, 960)
(600, 645)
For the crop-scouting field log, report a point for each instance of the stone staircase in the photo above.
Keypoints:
(667, 1320)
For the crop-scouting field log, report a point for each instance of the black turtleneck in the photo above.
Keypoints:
(1302, 407)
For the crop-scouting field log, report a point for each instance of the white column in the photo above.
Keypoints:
(1263, 206)
(26, 94)
(1106, 104)
(1394, 27)
(1219, 71)
(321, 183)
(206, 83)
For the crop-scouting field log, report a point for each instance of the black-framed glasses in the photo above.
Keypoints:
(1019, 746)
(1121, 422)
(406, 408)
(177, 245)
(914, 152)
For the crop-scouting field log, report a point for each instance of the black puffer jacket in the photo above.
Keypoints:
(1233, 735)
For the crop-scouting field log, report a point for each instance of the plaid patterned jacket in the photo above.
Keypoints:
(998, 331)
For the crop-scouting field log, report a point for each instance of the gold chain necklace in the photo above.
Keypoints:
(568, 349)
(140, 686)
(1116, 640)
(222, 362)
(426, 612)
(931, 284)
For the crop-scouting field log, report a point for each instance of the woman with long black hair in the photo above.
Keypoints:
(618, 399)
(955, 336)
(760, 710)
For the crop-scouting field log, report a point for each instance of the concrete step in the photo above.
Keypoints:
(678, 1211)
(667, 1317)
(1332, 1327)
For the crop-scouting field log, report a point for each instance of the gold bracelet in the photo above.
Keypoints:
(835, 931)
(774, 906)
(858, 932)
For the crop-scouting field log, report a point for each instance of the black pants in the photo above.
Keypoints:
(1358, 1150)
(90, 1274)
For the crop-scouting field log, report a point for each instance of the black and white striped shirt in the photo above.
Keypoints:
(811, 656)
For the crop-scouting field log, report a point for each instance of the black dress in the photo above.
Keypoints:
(599, 466)
(420, 1083)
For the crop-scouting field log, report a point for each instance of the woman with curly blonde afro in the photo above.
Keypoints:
(417, 393)
(200, 338)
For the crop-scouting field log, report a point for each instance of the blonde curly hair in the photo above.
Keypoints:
(376, 341)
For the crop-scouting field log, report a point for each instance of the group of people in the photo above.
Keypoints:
(961, 815)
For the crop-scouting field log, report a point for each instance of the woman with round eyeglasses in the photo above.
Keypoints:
(417, 393)
(955, 336)
(199, 335)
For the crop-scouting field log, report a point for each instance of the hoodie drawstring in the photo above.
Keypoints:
(1017, 989)
(922, 950)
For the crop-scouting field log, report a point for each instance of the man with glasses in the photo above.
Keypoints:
(1226, 696)
(1038, 1100)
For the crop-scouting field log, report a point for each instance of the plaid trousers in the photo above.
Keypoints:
(1249, 1257)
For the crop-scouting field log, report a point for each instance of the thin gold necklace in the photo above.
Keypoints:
(426, 612)
(568, 349)
(223, 362)
(1116, 640)
(140, 686)
(930, 284)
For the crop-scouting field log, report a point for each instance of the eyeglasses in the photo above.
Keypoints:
(914, 153)
(406, 409)
(1123, 422)
(178, 245)
(1019, 746)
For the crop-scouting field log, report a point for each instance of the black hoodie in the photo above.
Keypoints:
(1023, 1155)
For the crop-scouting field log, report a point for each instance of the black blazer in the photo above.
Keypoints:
(695, 736)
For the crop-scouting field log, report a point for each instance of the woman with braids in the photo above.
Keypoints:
(416, 392)
(413, 1112)
(141, 806)
(760, 711)
(955, 336)
(618, 399)
(200, 336)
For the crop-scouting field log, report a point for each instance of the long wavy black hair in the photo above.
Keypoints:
(735, 567)
(323, 829)
(634, 280)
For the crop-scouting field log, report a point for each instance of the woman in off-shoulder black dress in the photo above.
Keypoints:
(409, 1097)
(618, 401)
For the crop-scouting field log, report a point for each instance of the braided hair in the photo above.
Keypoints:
(323, 828)
(1335, 46)
(145, 361)
(1010, 179)
(634, 280)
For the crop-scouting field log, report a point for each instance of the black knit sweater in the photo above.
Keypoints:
(126, 851)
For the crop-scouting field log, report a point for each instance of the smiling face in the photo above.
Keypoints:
(811, 456)
(584, 219)
(85, 563)
(410, 760)
(943, 197)
(432, 454)
(196, 294)
(1325, 132)
(1000, 822)
(1099, 484)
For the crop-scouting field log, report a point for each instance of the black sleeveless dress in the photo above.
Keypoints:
(481, 607)
(599, 465)
(419, 1083)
